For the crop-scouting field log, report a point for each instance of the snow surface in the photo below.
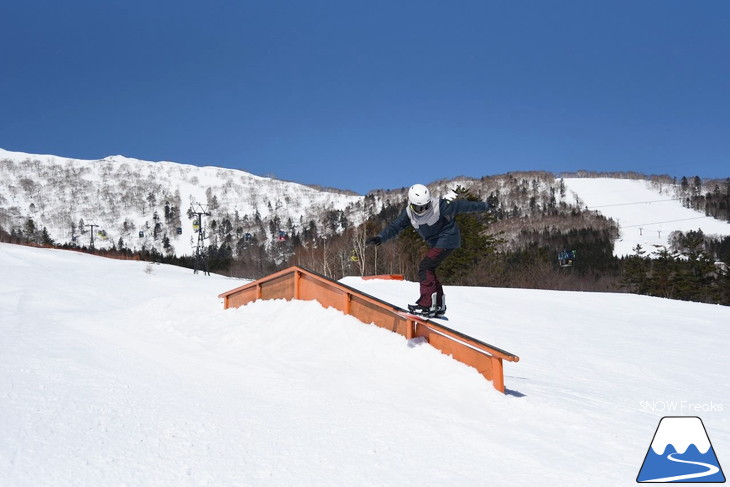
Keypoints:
(646, 215)
(128, 373)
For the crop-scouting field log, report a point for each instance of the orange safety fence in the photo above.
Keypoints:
(298, 283)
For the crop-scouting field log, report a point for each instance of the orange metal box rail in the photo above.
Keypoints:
(298, 283)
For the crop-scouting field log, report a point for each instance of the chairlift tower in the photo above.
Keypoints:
(92, 225)
(201, 256)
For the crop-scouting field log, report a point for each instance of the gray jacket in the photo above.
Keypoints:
(437, 226)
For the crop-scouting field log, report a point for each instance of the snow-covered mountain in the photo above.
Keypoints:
(151, 204)
(141, 201)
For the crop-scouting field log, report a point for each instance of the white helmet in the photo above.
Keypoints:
(419, 198)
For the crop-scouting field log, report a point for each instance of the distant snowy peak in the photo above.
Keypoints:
(120, 158)
(143, 203)
(176, 169)
(20, 156)
(681, 432)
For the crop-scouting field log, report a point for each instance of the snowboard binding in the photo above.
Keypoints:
(434, 311)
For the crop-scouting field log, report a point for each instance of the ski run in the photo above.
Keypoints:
(123, 373)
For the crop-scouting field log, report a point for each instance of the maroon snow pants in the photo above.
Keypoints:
(427, 276)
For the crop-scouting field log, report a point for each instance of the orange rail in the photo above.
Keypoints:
(298, 283)
(387, 277)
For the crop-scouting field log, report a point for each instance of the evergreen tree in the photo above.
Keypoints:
(723, 284)
(695, 279)
(46, 238)
(29, 230)
(635, 272)
(664, 268)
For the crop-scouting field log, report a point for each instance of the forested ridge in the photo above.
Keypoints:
(256, 227)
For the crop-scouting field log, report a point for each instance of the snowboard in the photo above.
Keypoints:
(432, 313)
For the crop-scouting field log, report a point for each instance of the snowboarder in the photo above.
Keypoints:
(434, 220)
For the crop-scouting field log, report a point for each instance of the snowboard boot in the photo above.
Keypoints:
(435, 310)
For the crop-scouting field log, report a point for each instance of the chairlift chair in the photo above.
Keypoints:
(566, 258)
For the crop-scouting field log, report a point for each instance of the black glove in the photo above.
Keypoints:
(374, 241)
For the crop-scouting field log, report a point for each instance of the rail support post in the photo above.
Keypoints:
(497, 374)
(410, 329)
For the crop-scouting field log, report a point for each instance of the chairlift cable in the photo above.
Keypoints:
(667, 221)
(627, 204)
(645, 202)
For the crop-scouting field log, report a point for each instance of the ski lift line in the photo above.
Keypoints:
(667, 221)
(627, 204)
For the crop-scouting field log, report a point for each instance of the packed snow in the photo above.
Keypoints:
(130, 373)
(645, 213)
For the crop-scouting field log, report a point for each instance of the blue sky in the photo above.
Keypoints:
(372, 94)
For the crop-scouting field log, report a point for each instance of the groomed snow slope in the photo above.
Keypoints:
(645, 215)
(114, 375)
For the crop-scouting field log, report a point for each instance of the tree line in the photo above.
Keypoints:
(515, 246)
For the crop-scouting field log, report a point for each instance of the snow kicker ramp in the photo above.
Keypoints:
(298, 283)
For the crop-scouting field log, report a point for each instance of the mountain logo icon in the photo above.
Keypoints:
(681, 452)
